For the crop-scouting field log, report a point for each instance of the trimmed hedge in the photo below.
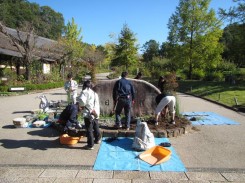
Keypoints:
(31, 87)
(4, 88)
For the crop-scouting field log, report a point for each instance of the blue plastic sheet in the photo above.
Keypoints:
(208, 118)
(47, 124)
(119, 155)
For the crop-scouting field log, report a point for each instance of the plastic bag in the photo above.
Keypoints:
(143, 139)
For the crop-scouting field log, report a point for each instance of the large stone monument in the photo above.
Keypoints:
(145, 94)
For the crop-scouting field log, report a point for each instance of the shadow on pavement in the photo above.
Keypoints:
(44, 132)
(34, 144)
(9, 127)
(16, 112)
(58, 93)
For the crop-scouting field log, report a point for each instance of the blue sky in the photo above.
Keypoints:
(147, 19)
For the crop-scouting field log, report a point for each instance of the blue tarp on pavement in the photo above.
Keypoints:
(208, 118)
(118, 155)
(47, 124)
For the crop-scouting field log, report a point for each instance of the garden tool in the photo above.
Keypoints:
(114, 108)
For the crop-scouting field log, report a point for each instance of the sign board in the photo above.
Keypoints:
(46, 68)
(4, 79)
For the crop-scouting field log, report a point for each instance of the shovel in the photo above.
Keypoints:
(114, 108)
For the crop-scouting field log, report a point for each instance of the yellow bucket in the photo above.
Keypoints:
(67, 140)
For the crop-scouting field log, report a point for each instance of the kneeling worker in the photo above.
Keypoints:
(165, 103)
(68, 117)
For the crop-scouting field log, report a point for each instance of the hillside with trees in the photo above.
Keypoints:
(46, 22)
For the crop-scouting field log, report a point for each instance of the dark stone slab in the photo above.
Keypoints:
(162, 133)
(144, 96)
(109, 133)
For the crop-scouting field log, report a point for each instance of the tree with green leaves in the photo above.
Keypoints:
(92, 57)
(109, 52)
(194, 33)
(50, 24)
(233, 36)
(235, 14)
(72, 45)
(126, 49)
(234, 41)
(101, 55)
(163, 51)
(150, 50)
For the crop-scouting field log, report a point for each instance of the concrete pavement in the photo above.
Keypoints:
(89, 176)
(212, 147)
(209, 153)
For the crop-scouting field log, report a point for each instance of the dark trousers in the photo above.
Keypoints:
(123, 103)
(92, 131)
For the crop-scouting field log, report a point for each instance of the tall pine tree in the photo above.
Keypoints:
(126, 50)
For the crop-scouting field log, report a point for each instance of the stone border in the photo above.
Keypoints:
(175, 132)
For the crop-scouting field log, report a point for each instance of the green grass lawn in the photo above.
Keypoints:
(221, 92)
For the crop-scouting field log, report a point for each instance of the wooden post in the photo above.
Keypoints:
(236, 100)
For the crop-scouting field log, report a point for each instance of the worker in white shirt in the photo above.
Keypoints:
(165, 104)
(71, 89)
(91, 110)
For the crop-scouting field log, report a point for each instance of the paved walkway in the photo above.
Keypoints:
(209, 153)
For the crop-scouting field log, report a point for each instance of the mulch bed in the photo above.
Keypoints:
(165, 124)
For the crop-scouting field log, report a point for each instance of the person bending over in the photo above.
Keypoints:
(165, 104)
(68, 116)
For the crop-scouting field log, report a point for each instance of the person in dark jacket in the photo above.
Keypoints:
(123, 97)
(68, 116)
(138, 76)
(161, 84)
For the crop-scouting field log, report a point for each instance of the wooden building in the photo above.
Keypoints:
(44, 50)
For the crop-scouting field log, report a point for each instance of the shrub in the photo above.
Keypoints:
(226, 66)
(214, 76)
(198, 74)
(4, 88)
(240, 76)
(171, 84)
(158, 66)
(180, 75)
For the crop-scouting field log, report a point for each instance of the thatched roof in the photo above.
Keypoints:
(45, 49)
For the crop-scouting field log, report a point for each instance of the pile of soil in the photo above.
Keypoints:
(165, 124)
